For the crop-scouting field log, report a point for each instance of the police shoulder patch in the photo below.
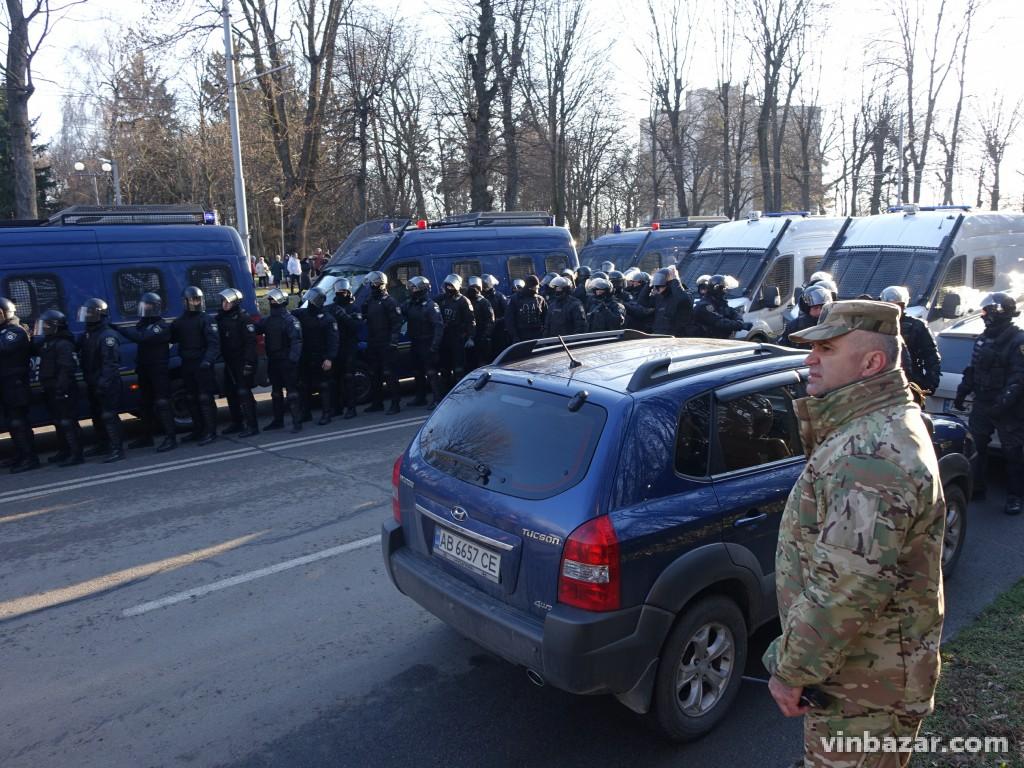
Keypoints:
(110, 341)
(250, 327)
(296, 323)
(398, 310)
(10, 335)
(157, 328)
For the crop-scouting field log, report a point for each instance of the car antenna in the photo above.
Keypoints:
(574, 363)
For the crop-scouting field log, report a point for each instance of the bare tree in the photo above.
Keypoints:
(734, 113)
(950, 142)
(997, 125)
(508, 49)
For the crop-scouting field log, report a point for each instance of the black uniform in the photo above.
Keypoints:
(565, 316)
(524, 318)
(198, 340)
(715, 319)
(996, 379)
(482, 350)
(921, 360)
(348, 320)
(319, 344)
(383, 332)
(459, 327)
(238, 348)
(99, 352)
(426, 328)
(499, 305)
(606, 314)
(673, 311)
(57, 367)
(283, 342)
(801, 322)
(152, 336)
(640, 310)
(15, 395)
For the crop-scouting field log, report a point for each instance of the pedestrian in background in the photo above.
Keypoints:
(859, 554)
(261, 272)
(294, 273)
(277, 271)
(306, 276)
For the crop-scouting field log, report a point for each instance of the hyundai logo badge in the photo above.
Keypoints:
(458, 513)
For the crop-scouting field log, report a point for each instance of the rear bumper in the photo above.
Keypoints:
(574, 650)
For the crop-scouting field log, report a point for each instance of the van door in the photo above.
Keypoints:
(399, 275)
(778, 280)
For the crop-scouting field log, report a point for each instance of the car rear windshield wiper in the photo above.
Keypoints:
(482, 470)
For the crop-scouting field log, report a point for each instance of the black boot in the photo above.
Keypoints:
(277, 405)
(326, 406)
(170, 441)
(295, 409)
(74, 442)
(395, 408)
(350, 413)
(113, 425)
(249, 414)
(21, 436)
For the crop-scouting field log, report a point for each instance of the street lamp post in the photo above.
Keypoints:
(280, 207)
(106, 166)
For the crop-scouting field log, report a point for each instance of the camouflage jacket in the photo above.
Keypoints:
(857, 568)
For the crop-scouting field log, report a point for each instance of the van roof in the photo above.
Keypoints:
(759, 233)
(927, 229)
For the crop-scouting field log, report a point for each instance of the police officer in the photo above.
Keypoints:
(55, 346)
(607, 267)
(282, 333)
(383, 331)
(198, 340)
(483, 315)
(580, 291)
(640, 306)
(545, 284)
(15, 395)
(618, 281)
(921, 360)
(812, 302)
(526, 310)
(459, 330)
(606, 312)
(565, 312)
(499, 305)
(996, 379)
(238, 348)
(673, 305)
(349, 320)
(714, 317)
(517, 285)
(99, 352)
(319, 348)
(825, 278)
(152, 337)
(702, 286)
(426, 329)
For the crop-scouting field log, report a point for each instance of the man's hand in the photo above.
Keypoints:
(788, 699)
(959, 404)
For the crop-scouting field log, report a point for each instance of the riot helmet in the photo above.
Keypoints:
(643, 278)
(560, 285)
(150, 305)
(998, 309)
(378, 281)
(617, 279)
(659, 279)
(454, 282)
(50, 323)
(192, 296)
(820, 275)
(600, 287)
(583, 274)
(315, 297)
(419, 287)
(277, 298)
(475, 284)
(895, 294)
(490, 282)
(599, 273)
(569, 273)
(8, 310)
(717, 286)
(830, 284)
(342, 288)
(94, 311)
(817, 297)
(607, 266)
(544, 283)
(518, 284)
(230, 299)
(702, 284)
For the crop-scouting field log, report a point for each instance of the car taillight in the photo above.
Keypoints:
(590, 575)
(396, 475)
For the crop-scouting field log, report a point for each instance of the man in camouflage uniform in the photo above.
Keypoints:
(858, 574)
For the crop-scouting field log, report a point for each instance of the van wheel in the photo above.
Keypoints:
(179, 406)
(956, 527)
(362, 382)
(701, 668)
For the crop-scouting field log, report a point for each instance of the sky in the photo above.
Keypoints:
(994, 59)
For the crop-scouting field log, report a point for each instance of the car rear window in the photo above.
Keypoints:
(513, 440)
(955, 352)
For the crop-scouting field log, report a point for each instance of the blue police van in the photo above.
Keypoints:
(118, 254)
(662, 244)
(508, 245)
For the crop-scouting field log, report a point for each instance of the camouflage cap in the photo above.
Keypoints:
(841, 317)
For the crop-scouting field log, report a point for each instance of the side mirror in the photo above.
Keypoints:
(951, 306)
(798, 293)
(774, 297)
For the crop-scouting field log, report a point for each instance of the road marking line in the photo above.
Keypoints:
(243, 578)
(197, 461)
(10, 609)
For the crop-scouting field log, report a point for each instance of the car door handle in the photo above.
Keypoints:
(753, 517)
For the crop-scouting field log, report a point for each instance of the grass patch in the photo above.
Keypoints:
(981, 690)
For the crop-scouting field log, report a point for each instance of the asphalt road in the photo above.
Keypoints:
(227, 606)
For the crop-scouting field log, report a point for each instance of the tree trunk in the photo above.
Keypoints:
(995, 185)
(480, 139)
(19, 90)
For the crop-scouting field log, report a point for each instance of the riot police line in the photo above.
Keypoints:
(313, 350)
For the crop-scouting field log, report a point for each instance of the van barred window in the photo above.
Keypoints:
(33, 295)
(211, 279)
(130, 284)
(467, 269)
(555, 262)
(519, 267)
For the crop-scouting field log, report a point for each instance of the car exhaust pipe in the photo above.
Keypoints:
(535, 677)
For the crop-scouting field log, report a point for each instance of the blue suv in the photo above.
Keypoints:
(604, 512)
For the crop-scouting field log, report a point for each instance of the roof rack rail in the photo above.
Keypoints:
(914, 207)
(132, 214)
(655, 372)
(497, 219)
(23, 222)
(689, 222)
(525, 349)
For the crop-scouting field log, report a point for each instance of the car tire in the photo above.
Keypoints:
(700, 670)
(179, 405)
(361, 374)
(955, 532)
